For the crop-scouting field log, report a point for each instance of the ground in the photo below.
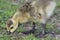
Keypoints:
(8, 8)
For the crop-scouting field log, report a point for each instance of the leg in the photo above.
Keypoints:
(43, 33)
(44, 29)
(31, 31)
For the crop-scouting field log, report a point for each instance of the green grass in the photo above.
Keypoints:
(7, 9)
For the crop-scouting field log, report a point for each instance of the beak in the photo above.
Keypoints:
(8, 32)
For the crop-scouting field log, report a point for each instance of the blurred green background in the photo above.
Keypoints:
(9, 7)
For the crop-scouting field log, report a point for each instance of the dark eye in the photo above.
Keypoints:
(11, 28)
